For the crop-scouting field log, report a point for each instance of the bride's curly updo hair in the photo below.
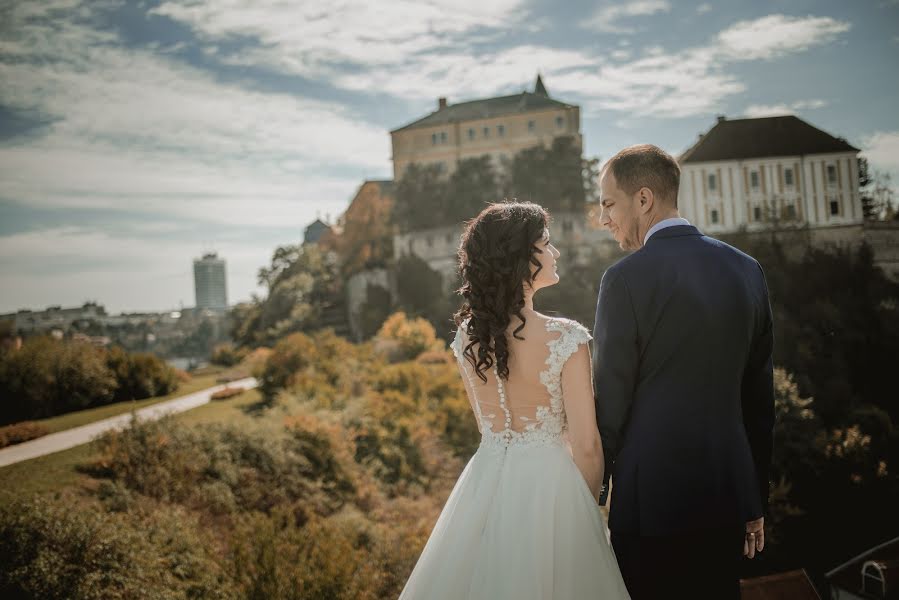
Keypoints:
(495, 256)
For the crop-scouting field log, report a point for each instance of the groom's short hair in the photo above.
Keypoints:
(645, 165)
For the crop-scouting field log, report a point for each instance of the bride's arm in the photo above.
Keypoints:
(466, 381)
(577, 395)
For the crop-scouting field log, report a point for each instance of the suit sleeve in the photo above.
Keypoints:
(757, 397)
(615, 365)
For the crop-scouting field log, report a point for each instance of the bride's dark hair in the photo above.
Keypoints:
(495, 256)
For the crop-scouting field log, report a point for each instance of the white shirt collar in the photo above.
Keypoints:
(672, 222)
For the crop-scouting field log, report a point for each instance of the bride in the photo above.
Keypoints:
(522, 521)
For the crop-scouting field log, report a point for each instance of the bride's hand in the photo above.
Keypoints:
(754, 541)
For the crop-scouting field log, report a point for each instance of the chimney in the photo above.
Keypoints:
(722, 118)
(441, 103)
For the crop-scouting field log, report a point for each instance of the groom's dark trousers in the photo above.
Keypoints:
(685, 407)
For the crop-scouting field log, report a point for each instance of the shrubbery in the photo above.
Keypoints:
(227, 355)
(21, 432)
(54, 550)
(404, 339)
(48, 377)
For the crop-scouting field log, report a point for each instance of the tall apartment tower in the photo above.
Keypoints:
(209, 282)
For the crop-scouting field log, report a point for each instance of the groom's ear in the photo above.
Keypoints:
(646, 199)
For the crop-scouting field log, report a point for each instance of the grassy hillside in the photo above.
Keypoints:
(324, 485)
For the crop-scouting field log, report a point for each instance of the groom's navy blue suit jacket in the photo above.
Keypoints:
(684, 385)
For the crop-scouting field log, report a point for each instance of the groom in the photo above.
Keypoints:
(684, 389)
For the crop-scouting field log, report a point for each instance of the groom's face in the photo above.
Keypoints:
(619, 213)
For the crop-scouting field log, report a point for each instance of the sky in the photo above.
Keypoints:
(135, 136)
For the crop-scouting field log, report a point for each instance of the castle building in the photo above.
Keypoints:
(755, 173)
(499, 127)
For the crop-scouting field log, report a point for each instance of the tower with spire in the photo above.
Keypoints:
(499, 127)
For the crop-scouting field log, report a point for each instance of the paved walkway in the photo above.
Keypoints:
(63, 440)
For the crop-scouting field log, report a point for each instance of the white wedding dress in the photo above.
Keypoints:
(520, 522)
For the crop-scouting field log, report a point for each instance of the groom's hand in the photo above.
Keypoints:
(754, 541)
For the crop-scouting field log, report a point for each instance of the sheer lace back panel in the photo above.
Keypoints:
(527, 408)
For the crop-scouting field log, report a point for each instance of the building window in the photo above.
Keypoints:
(531, 126)
(471, 134)
(714, 215)
(559, 122)
(449, 238)
(441, 167)
(790, 211)
(500, 130)
(788, 177)
(486, 132)
(429, 240)
(757, 213)
(442, 137)
(754, 180)
(433, 139)
(831, 174)
(567, 226)
(713, 183)
(834, 207)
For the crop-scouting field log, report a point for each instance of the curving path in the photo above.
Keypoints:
(63, 440)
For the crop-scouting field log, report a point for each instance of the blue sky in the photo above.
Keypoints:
(136, 135)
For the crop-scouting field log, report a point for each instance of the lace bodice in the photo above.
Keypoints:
(536, 415)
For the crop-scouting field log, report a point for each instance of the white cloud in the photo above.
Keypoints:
(775, 35)
(694, 80)
(136, 125)
(703, 8)
(314, 39)
(769, 110)
(465, 75)
(423, 50)
(882, 150)
(608, 18)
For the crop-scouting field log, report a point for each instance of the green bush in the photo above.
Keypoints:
(227, 354)
(47, 377)
(54, 550)
(225, 467)
(404, 339)
(344, 557)
(140, 375)
(288, 359)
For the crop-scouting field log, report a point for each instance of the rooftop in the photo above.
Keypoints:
(487, 108)
(735, 139)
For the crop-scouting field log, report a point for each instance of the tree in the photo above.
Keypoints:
(471, 187)
(421, 292)
(557, 177)
(877, 193)
(420, 194)
(375, 310)
(366, 238)
(301, 280)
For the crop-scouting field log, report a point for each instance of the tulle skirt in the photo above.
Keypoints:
(520, 524)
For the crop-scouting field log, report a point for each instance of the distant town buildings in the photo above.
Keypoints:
(498, 127)
(755, 173)
(54, 317)
(210, 282)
